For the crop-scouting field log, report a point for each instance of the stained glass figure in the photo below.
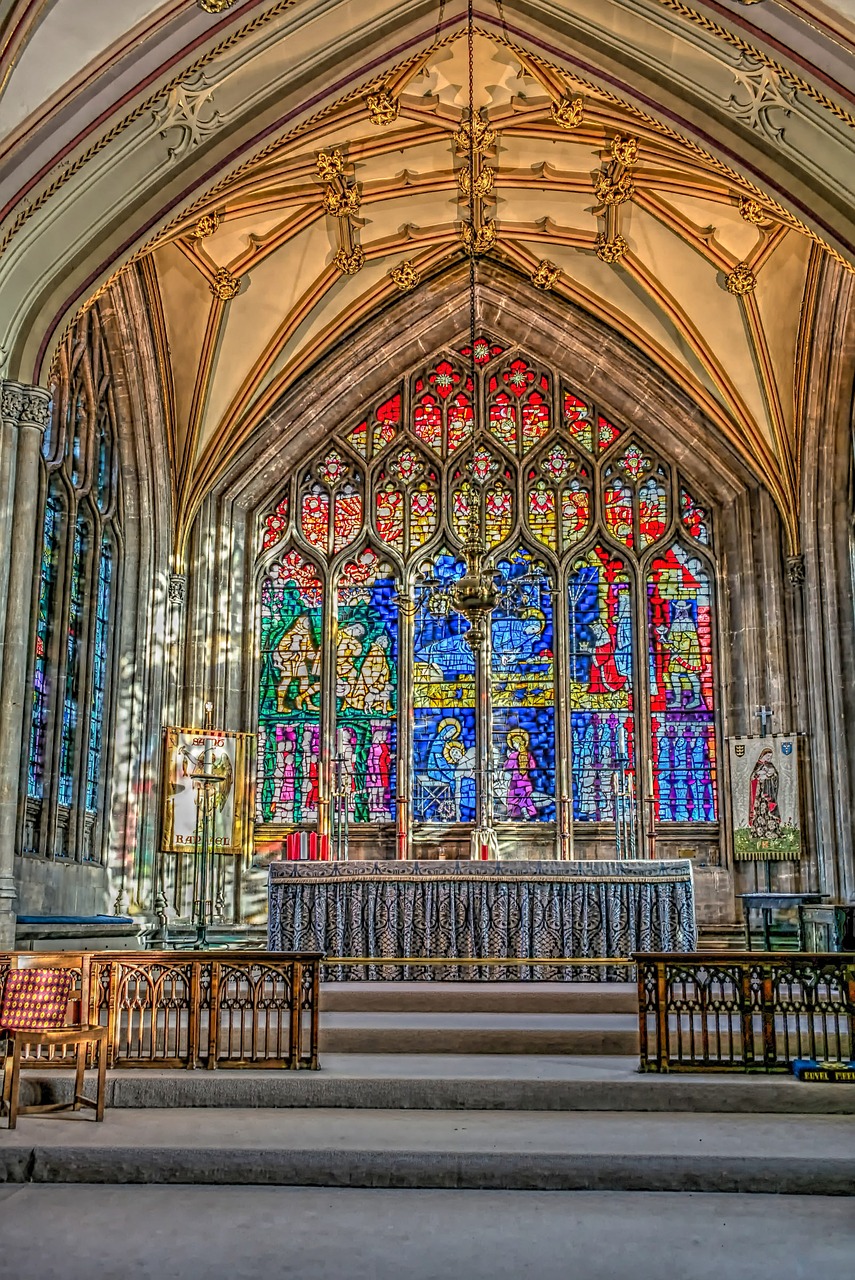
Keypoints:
(617, 508)
(682, 707)
(70, 707)
(427, 422)
(290, 691)
(523, 693)
(366, 685)
(443, 706)
(695, 518)
(424, 517)
(41, 667)
(535, 421)
(275, 525)
(499, 513)
(601, 679)
(459, 421)
(575, 513)
(652, 510)
(100, 650)
(315, 517)
(389, 510)
(542, 519)
(503, 420)
(348, 516)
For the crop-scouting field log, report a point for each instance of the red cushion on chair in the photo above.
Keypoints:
(35, 999)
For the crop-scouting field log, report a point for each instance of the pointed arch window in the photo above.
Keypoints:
(602, 647)
(74, 627)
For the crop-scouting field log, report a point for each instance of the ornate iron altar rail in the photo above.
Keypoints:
(197, 1008)
(744, 1011)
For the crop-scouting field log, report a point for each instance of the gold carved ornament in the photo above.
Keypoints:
(341, 204)
(545, 274)
(224, 285)
(349, 261)
(330, 165)
(215, 6)
(752, 211)
(405, 276)
(741, 280)
(382, 107)
(205, 226)
(568, 112)
(482, 240)
(625, 151)
(611, 249)
(484, 181)
(614, 190)
(484, 139)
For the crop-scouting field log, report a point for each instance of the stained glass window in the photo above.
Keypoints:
(601, 679)
(70, 706)
(82, 552)
(366, 686)
(578, 515)
(100, 643)
(523, 693)
(679, 601)
(41, 665)
(443, 706)
(289, 744)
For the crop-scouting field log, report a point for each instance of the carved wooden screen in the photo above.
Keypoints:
(607, 648)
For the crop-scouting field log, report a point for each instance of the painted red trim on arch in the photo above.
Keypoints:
(554, 52)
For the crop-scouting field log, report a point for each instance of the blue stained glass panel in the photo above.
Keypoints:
(366, 686)
(601, 680)
(682, 706)
(41, 679)
(523, 693)
(99, 675)
(443, 707)
(68, 733)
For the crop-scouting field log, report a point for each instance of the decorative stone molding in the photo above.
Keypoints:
(796, 570)
(741, 280)
(758, 92)
(22, 405)
(177, 587)
(188, 108)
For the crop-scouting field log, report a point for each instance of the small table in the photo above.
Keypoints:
(837, 917)
(766, 903)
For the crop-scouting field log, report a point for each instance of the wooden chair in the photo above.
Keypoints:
(33, 1014)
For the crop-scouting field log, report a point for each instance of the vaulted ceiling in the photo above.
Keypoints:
(281, 171)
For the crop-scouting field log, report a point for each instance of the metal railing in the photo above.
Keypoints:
(744, 1011)
(196, 1008)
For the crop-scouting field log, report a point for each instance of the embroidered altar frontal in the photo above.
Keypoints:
(477, 910)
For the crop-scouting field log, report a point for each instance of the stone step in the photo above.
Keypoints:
(479, 997)
(489, 1033)
(813, 1155)
(434, 1083)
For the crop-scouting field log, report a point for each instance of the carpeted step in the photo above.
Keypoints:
(479, 997)
(489, 1033)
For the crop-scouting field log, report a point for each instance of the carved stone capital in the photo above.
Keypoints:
(22, 405)
(796, 570)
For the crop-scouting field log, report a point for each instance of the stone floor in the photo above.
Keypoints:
(250, 1233)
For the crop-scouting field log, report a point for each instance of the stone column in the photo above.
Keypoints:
(24, 412)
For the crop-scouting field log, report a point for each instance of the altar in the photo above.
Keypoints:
(542, 911)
